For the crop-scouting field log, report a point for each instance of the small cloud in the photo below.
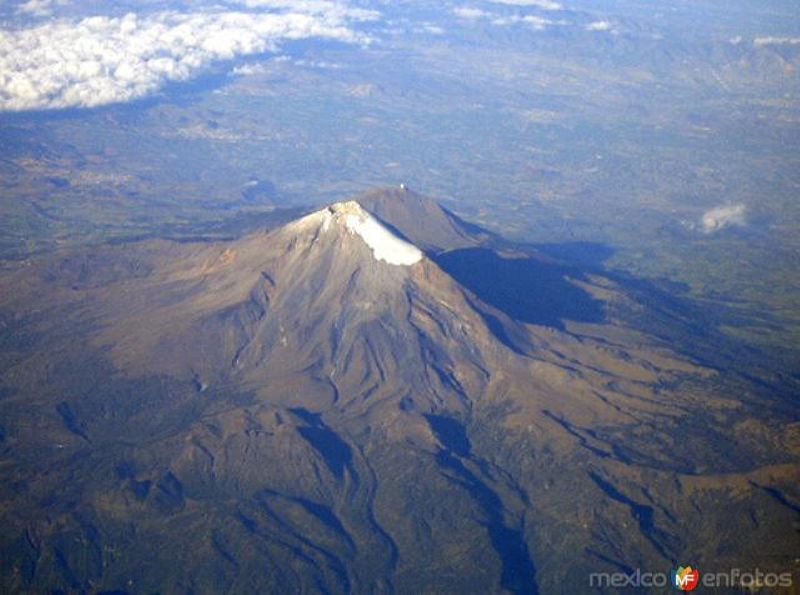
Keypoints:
(542, 4)
(533, 21)
(431, 29)
(723, 216)
(39, 8)
(762, 41)
(466, 12)
(362, 90)
(259, 68)
(600, 26)
(328, 8)
(319, 64)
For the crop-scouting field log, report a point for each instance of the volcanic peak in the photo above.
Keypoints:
(350, 217)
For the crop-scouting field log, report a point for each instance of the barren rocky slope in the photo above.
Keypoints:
(324, 407)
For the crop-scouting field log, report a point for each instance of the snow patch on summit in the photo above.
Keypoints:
(384, 244)
(350, 216)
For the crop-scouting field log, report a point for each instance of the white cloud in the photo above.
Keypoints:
(39, 8)
(762, 41)
(101, 60)
(723, 216)
(326, 8)
(255, 69)
(319, 64)
(543, 4)
(466, 12)
(599, 26)
(533, 21)
(430, 29)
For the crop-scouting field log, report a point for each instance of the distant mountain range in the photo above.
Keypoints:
(376, 397)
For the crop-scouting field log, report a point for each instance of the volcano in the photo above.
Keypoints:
(376, 397)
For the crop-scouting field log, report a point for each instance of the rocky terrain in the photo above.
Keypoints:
(375, 397)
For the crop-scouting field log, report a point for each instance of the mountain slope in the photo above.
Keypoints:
(322, 407)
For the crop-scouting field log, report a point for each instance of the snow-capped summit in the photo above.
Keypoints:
(385, 245)
(353, 218)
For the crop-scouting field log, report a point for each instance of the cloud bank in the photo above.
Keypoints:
(721, 217)
(101, 60)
